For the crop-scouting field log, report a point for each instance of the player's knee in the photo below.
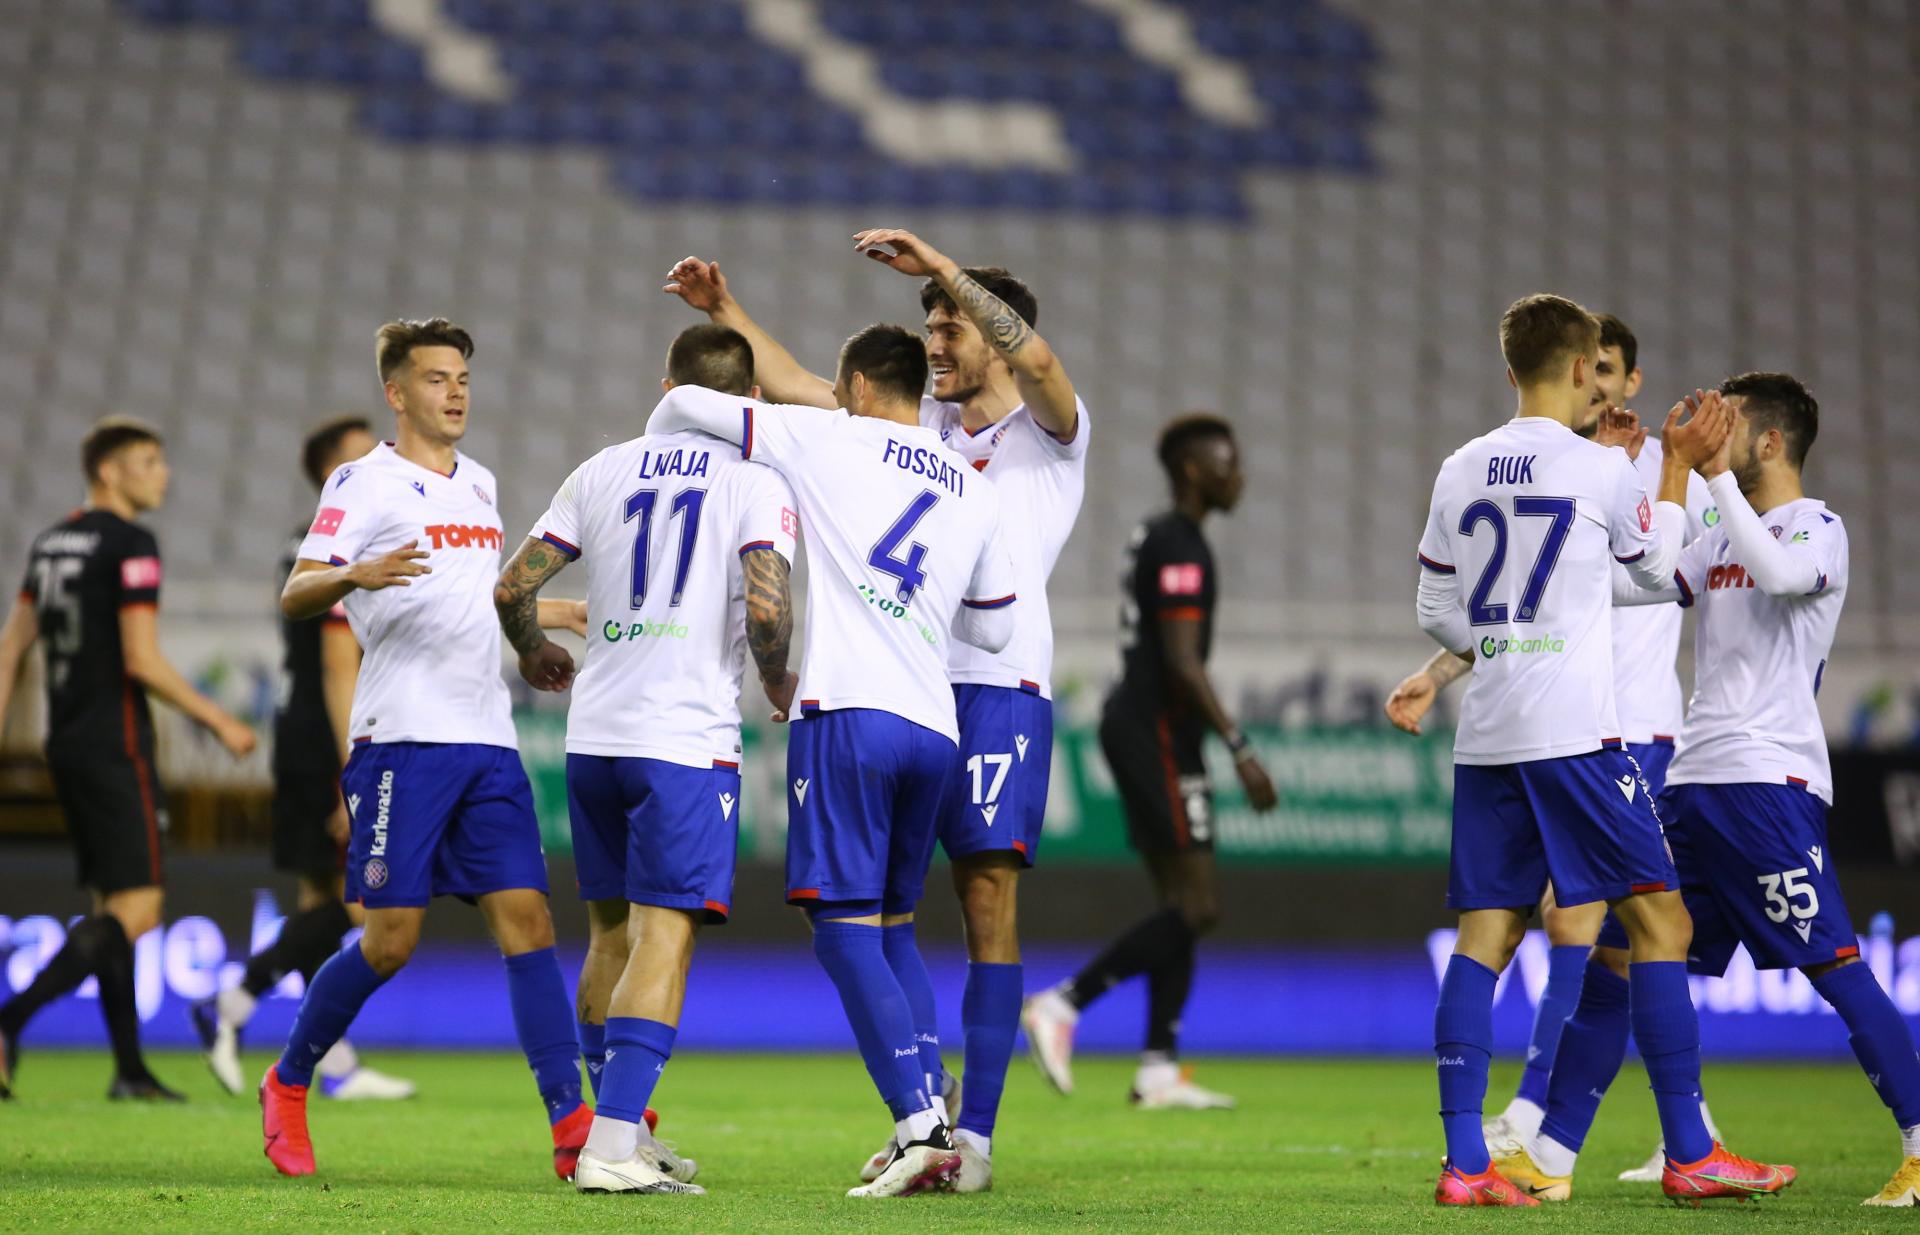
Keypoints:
(1615, 959)
(387, 952)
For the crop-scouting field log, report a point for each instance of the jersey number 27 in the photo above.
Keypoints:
(1482, 612)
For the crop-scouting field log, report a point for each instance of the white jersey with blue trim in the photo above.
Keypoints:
(1525, 526)
(1758, 658)
(901, 534)
(431, 672)
(1040, 480)
(661, 524)
(1646, 638)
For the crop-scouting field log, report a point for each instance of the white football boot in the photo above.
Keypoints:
(636, 1174)
(1049, 1021)
(950, 1094)
(1168, 1086)
(926, 1165)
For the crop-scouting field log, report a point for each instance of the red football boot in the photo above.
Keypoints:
(569, 1137)
(1723, 1174)
(1489, 1187)
(283, 1121)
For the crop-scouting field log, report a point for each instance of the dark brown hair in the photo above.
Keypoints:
(1183, 433)
(717, 357)
(110, 436)
(996, 280)
(1778, 401)
(324, 442)
(892, 358)
(1538, 334)
(396, 342)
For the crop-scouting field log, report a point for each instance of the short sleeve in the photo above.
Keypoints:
(1823, 538)
(991, 585)
(769, 517)
(139, 569)
(29, 586)
(560, 526)
(1630, 511)
(1436, 542)
(1175, 576)
(1076, 446)
(345, 522)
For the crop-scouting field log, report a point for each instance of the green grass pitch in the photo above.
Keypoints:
(1315, 1146)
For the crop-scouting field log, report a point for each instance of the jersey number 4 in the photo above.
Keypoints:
(641, 505)
(909, 570)
(1480, 611)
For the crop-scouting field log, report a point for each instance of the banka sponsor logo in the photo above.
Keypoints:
(462, 536)
(1732, 574)
(383, 810)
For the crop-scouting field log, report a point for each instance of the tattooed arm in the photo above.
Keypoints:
(770, 624)
(1042, 381)
(1414, 697)
(516, 597)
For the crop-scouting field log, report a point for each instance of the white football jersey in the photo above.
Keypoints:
(1040, 480)
(1646, 638)
(1529, 519)
(900, 533)
(662, 523)
(432, 666)
(1758, 659)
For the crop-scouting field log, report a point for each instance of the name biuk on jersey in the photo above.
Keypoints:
(1758, 659)
(1646, 638)
(1530, 517)
(432, 667)
(1040, 480)
(662, 522)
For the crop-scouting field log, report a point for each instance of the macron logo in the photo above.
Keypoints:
(353, 804)
(1020, 744)
(1804, 930)
(1817, 857)
(800, 790)
(990, 810)
(1626, 786)
(726, 806)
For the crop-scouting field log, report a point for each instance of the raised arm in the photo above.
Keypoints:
(1042, 381)
(147, 665)
(516, 598)
(780, 376)
(22, 628)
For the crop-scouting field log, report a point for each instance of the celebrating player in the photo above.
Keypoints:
(310, 826)
(653, 731)
(1747, 797)
(905, 554)
(1515, 568)
(409, 538)
(1002, 400)
(1151, 732)
(93, 591)
(1647, 700)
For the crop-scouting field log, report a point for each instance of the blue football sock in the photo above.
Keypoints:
(990, 1017)
(637, 1053)
(543, 1021)
(1463, 1047)
(1668, 1032)
(1592, 1049)
(910, 970)
(338, 991)
(593, 1052)
(1879, 1035)
(855, 958)
(1566, 965)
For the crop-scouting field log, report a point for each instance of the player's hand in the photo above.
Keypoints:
(1261, 795)
(547, 667)
(1620, 427)
(1412, 700)
(1722, 459)
(390, 570)
(237, 737)
(1708, 428)
(339, 825)
(911, 255)
(780, 695)
(698, 283)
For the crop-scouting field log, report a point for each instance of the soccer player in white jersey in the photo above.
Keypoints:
(1747, 796)
(1004, 402)
(904, 547)
(1516, 570)
(408, 537)
(1647, 699)
(687, 550)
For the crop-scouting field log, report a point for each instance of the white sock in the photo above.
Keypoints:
(915, 1127)
(612, 1140)
(1708, 1120)
(1524, 1116)
(1550, 1155)
(982, 1145)
(1910, 1141)
(235, 1006)
(339, 1061)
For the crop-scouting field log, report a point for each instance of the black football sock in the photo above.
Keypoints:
(307, 940)
(1168, 985)
(1147, 946)
(117, 1006)
(77, 958)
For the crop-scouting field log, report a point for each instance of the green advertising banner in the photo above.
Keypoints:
(1355, 795)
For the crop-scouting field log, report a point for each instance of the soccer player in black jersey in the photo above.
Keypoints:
(92, 592)
(1151, 732)
(310, 826)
